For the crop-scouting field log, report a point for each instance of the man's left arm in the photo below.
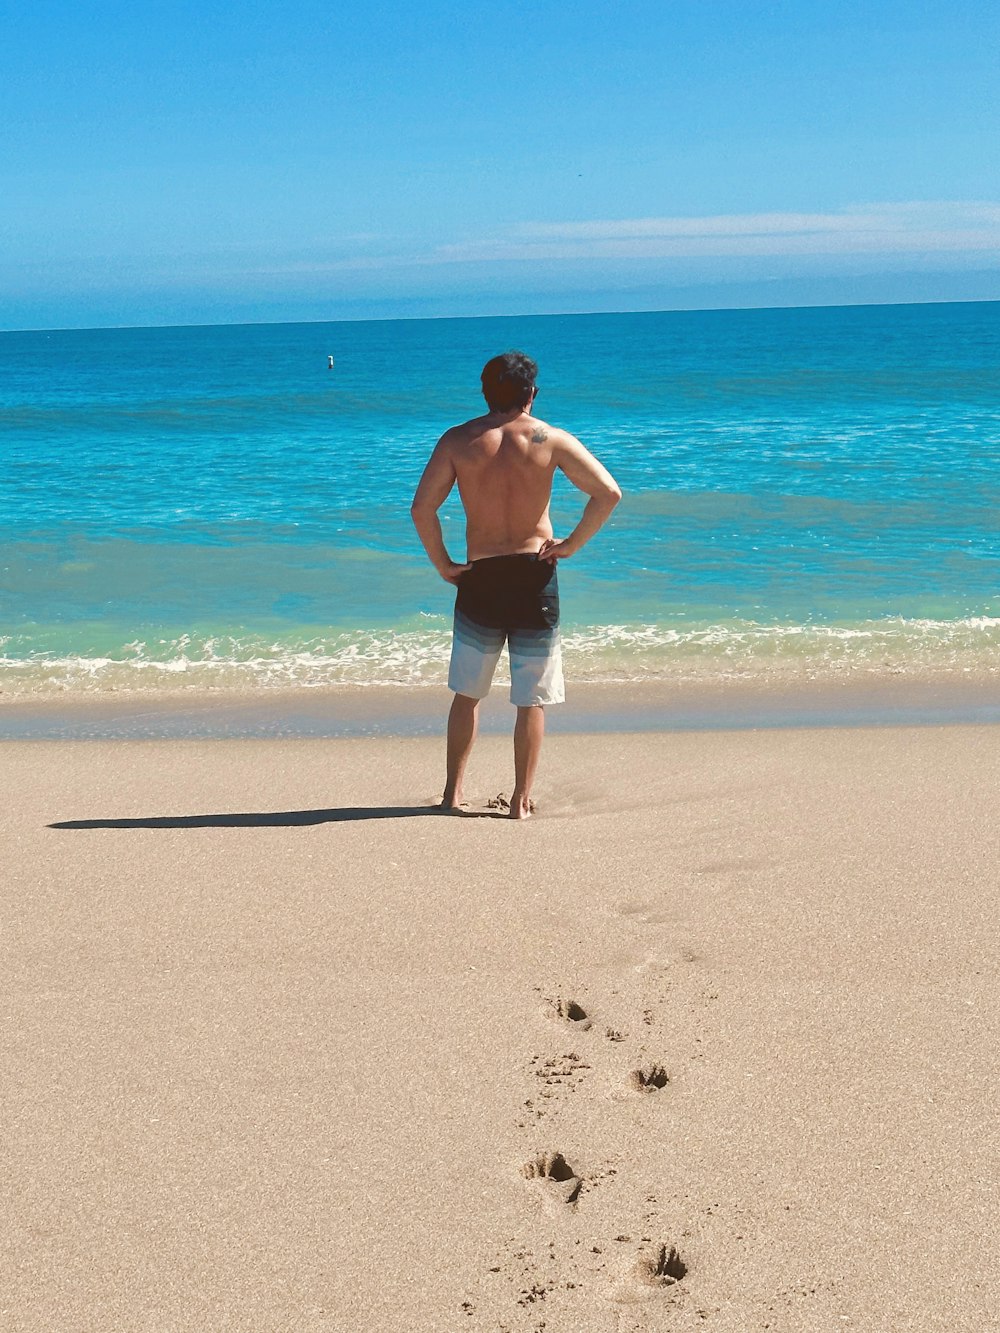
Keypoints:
(434, 488)
(594, 479)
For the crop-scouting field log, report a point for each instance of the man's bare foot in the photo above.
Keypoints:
(450, 806)
(521, 807)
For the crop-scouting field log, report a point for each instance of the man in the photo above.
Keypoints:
(504, 463)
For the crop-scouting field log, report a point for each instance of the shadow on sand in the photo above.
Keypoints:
(274, 819)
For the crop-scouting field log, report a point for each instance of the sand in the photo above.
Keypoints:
(283, 1051)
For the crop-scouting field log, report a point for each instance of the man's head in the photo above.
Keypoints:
(509, 382)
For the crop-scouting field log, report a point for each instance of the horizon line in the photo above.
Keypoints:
(525, 314)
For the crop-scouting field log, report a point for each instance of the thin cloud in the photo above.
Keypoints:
(861, 229)
(917, 229)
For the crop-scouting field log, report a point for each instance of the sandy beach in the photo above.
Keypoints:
(710, 1043)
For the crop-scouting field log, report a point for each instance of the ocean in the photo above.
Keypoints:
(808, 492)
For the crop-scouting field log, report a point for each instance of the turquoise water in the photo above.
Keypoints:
(814, 490)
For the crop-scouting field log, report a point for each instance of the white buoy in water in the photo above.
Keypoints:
(329, 363)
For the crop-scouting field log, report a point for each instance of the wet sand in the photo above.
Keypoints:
(711, 1043)
(712, 703)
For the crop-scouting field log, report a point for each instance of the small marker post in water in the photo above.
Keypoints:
(329, 363)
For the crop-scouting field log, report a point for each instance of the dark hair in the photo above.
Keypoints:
(508, 381)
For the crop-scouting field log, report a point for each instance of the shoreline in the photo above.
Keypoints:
(344, 711)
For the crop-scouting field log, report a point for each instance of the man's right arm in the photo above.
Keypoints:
(434, 488)
(594, 479)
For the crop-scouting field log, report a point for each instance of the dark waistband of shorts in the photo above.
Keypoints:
(519, 558)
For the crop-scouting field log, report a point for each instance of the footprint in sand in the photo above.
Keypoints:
(651, 1078)
(654, 1271)
(569, 1012)
(555, 1178)
(663, 1268)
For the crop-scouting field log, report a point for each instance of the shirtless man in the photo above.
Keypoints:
(504, 463)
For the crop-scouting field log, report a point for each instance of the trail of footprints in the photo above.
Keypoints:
(657, 1264)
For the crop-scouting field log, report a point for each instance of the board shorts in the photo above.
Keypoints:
(512, 599)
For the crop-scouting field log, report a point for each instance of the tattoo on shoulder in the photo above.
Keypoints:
(539, 435)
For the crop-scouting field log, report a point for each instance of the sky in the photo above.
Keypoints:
(194, 163)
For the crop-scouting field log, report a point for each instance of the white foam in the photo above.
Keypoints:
(612, 653)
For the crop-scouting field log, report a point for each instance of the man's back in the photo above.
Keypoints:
(503, 464)
(504, 473)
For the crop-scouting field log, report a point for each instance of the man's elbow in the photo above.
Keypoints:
(612, 494)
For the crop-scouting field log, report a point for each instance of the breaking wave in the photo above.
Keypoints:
(602, 653)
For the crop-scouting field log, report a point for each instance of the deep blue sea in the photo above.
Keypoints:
(810, 490)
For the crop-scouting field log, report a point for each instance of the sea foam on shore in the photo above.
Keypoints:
(606, 654)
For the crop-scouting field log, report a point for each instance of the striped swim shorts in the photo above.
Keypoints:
(512, 599)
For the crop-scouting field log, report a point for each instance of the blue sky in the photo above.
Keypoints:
(202, 163)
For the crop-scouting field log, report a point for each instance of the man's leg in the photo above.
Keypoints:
(475, 651)
(535, 680)
(463, 723)
(529, 732)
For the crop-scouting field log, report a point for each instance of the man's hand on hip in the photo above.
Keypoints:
(451, 572)
(553, 550)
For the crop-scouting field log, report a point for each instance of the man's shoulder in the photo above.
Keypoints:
(543, 432)
(463, 432)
